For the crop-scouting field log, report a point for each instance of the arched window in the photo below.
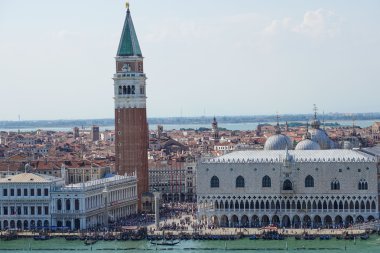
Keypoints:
(68, 204)
(309, 181)
(59, 204)
(133, 89)
(363, 185)
(76, 202)
(266, 182)
(214, 182)
(287, 186)
(124, 89)
(240, 182)
(129, 89)
(335, 185)
(120, 90)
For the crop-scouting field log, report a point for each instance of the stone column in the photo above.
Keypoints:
(157, 209)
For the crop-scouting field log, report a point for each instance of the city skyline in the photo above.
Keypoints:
(284, 58)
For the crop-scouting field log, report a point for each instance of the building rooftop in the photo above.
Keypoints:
(28, 178)
(276, 156)
(97, 182)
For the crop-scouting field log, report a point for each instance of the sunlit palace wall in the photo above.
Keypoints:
(300, 188)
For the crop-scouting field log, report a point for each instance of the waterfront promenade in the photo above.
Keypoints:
(190, 228)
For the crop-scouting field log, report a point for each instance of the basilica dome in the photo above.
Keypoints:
(319, 136)
(278, 142)
(307, 145)
(346, 145)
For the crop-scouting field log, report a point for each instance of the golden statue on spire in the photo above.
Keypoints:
(127, 5)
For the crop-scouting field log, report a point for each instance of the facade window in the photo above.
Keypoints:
(12, 192)
(46, 210)
(25, 192)
(214, 182)
(18, 192)
(266, 182)
(335, 185)
(25, 210)
(39, 210)
(309, 181)
(32, 210)
(68, 205)
(240, 182)
(287, 186)
(31, 192)
(5, 192)
(39, 192)
(5, 210)
(76, 203)
(363, 185)
(46, 192)
(59, 204)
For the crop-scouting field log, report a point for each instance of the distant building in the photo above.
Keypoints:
(175, 180)
(95, 135)
(76, 132)
(215, 130)
(375, 130)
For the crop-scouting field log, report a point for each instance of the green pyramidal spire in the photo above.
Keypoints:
(129, 44)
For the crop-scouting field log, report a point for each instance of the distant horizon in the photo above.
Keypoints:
(319, 116)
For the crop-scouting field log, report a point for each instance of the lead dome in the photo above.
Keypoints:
(278, 142)
(307, 145)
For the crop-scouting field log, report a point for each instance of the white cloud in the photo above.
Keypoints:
(277, 25)
(318, 24)
(315, 24)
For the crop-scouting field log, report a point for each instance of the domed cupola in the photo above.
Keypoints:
(306, 143)
(318, 135)
(278, 141)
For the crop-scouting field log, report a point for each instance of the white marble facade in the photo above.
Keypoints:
(300, 188)
(34, 201)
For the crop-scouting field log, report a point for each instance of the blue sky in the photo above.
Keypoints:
(212, 57)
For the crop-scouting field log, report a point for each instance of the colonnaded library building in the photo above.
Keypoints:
(288, 188)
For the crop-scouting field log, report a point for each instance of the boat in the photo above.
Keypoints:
(41, 237)
(253, 237)
(89, 242)
(71, 238)
(324, 237)
(9, 237)
(166, 243)
(364, 237)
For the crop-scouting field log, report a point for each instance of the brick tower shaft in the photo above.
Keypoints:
(131, 127)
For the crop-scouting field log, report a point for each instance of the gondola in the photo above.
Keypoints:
(166, 243)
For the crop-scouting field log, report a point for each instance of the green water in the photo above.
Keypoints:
(244, 245)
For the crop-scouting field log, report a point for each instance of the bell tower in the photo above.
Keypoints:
(131, 127)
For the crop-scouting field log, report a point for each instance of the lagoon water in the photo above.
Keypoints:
(230, 126)
(244, 245)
